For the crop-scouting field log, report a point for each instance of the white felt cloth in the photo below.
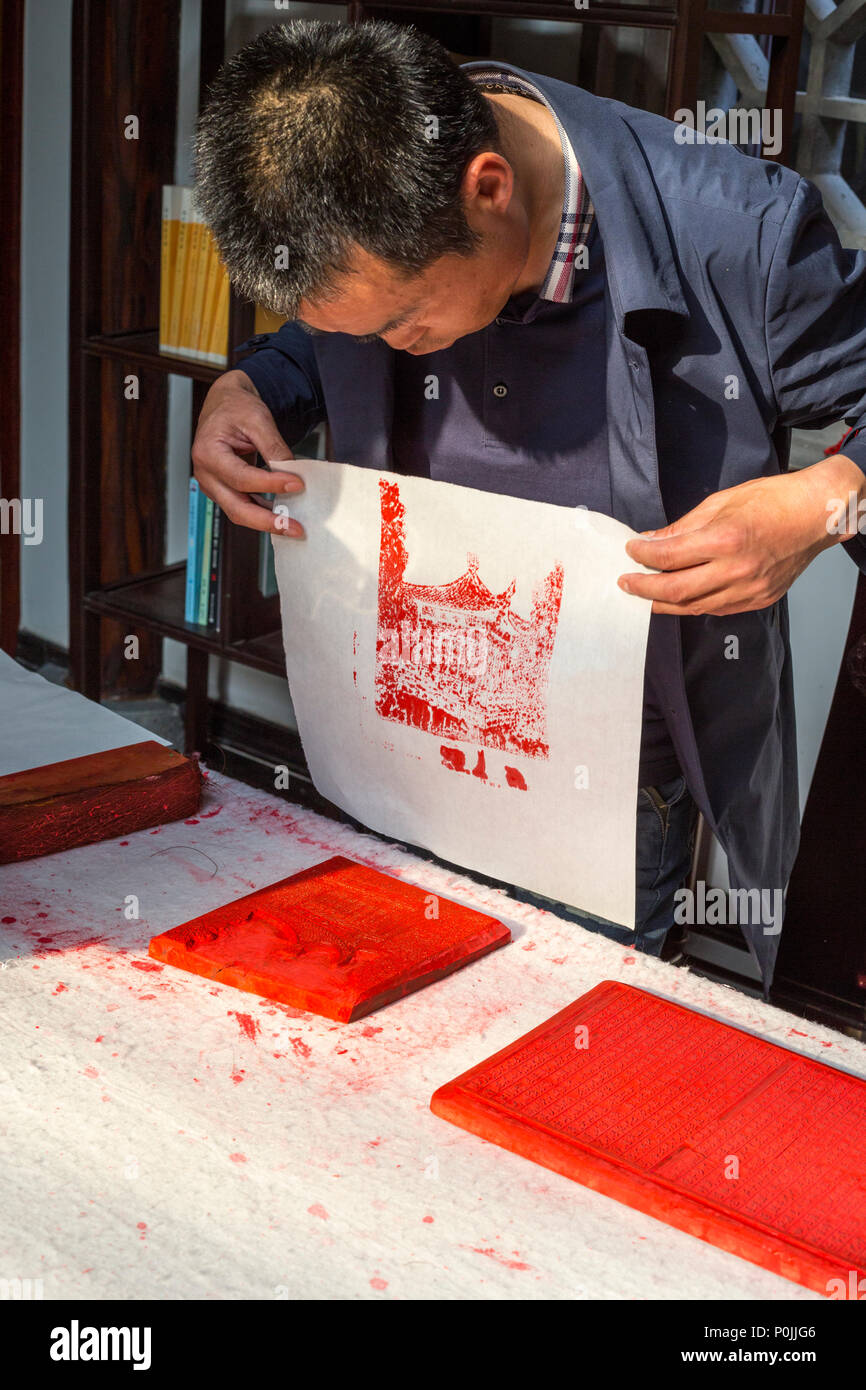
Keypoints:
(165, 1137)
(42, 723)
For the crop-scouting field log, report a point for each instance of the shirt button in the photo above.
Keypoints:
(500, 389)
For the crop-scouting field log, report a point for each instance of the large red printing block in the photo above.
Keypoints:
(660, 1108)
(338, 939)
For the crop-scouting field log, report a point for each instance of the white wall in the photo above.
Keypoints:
(44, 309)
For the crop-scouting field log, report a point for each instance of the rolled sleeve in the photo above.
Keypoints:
(285, 373)
(816, 329)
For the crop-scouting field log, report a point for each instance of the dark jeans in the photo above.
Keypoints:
(666, 823)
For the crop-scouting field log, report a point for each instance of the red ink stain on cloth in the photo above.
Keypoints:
(207, 815)
(148, 966)
(301, 1048)
(370, 1031)
(194, 821)
(475, 668)
(7, 920)
(379, 1284)
(238, 1076)
(91, 1072)
(247, 1024)
(428, 1220)
(628, 960)
(142, 1226)
(61, 989)
(500, 1259)
(318, 1210)
(480, 769)
(238, 1158)
(515, 778)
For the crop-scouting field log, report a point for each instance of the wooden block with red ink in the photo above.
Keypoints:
(82, 800)
(338, 939)
(745, 1144)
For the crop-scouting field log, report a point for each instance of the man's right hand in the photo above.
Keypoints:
(233, 425)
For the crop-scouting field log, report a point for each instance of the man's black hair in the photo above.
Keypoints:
(319, 136)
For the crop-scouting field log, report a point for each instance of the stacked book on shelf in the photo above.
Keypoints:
(194, 285)
(204, 541)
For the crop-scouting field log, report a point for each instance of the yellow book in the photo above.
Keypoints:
(219, 343)
(211, 288)
(195, 227)
(171, 200)
(180, 266)
(201, 270)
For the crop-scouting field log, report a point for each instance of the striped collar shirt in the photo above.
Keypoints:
(577, 210)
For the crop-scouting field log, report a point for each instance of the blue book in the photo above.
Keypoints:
(193, 552)
(204, 562)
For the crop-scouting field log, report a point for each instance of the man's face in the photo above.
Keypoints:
(423, 313)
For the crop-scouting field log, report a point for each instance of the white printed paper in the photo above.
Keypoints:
(468, 677)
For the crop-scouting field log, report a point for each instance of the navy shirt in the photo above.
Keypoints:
(525, 398)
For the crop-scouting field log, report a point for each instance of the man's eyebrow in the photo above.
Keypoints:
(365, 337)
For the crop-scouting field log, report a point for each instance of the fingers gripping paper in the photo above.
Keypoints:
(468, 677)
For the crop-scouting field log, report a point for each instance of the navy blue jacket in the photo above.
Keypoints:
(718, 266)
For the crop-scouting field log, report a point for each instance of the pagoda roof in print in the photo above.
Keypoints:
(468, 592)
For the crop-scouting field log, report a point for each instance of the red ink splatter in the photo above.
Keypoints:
(300, 1047)
(148, 966)
(318, 1210)
(370, 1031)
(428, 1220)
(456, 659)
(8, 919)
(500, 1259)
(61, 989)
(91, 1072)
(194, 821)
(238, 1076)
(514, 778)
(247, 1024)
(628, 960)
(99, 1039)
(378, 1284)
(238, 1158)
(206, 815)
(142, 1226)
(480, 770)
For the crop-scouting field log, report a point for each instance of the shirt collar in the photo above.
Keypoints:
(577, 209)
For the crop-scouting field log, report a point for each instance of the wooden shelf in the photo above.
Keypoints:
(143, 349)
(157, 601)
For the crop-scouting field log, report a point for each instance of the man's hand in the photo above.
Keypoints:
(234, 423)
(742, 548)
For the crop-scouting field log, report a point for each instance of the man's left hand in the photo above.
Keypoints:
(742, 548)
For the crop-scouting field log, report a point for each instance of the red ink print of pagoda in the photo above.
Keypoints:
(455, 659)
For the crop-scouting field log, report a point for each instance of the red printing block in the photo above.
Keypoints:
(338, 939)
(660, 1107)
(96, 797)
